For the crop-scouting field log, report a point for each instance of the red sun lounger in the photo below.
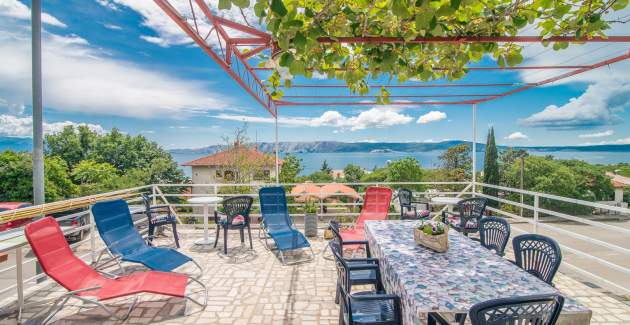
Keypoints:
(89, 286)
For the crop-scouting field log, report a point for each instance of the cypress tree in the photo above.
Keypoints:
(491, 168)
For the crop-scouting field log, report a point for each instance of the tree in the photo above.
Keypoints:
(16, 178)
(320, 177)
(491, 169)
(353, 173)
(123, 152)
(457, 162)
(405, 170)
(291, 168)
(298, 26)
(568, 178)
(325, 168)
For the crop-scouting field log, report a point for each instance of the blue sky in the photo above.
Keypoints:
(124, 64)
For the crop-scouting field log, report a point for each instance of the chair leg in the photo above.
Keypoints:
(151, 232)
(249, 232)
(216, 239)
(242, 235)
(175, 234)
(225, 231)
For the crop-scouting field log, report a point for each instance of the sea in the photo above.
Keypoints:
(428, 159)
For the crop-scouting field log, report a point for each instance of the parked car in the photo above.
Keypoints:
(66, 225)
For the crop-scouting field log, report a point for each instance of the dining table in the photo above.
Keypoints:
(452, 282)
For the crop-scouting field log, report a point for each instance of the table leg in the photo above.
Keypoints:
(206, 239)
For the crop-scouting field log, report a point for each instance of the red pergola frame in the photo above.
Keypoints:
(234, 61)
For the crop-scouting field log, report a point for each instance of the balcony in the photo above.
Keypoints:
(254, 287)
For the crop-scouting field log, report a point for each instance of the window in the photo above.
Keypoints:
(218, 174)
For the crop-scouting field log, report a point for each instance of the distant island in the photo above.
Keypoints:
(25, 144)
(388, 147)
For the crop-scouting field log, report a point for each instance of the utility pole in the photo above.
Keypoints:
(38, 116)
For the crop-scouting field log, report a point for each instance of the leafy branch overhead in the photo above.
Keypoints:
(296, 26)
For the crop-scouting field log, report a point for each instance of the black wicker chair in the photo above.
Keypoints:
(540, 310)
(363, 271)
(408, 207)
(232, 207)
(469, 212)
(539, 255)
(370, 307)
(159, 215)
(494, 234)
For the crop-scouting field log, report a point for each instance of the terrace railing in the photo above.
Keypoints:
(591, 250)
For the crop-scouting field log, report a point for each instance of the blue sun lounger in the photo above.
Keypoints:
(114, 224)
(277, 223)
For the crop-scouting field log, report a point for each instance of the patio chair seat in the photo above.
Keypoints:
(289, 240)
(162, 219)
(169, 284)
(158, 258)
(372, 310)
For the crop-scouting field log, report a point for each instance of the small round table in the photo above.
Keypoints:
(446, 200)
(206, 201)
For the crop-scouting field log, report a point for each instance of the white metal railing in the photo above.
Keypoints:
(90, 247)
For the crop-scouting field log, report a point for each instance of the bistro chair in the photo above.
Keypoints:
(363, 271)
(408, 207)
(537, 309)
(469, 212)
(369, 307)
(537, 254)
(159, 215)
(90, 286)
(277, 223)
(540, 309)
(494, 234)
(235, 216)
(124, 242)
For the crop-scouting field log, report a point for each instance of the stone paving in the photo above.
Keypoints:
(253, 287)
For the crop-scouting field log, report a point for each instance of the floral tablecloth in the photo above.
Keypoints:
(449, 282)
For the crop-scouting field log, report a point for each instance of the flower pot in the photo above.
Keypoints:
(310, 225)
(438, 243)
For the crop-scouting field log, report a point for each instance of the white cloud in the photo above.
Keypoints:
(602, 134)
(618, 141)
(112, 27)
(18, 10)
(108, 4)
(14, 126)
(432, 116)
(597, 106)
(517, 136)
(376, 117)
(168, 33)
(78, 77)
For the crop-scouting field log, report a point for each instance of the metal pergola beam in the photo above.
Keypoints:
(534, 67)
(475, 39)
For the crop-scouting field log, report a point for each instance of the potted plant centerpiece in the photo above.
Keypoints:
(310, 218)
(432, 234)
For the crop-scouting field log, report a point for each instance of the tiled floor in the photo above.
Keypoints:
(253, 287)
